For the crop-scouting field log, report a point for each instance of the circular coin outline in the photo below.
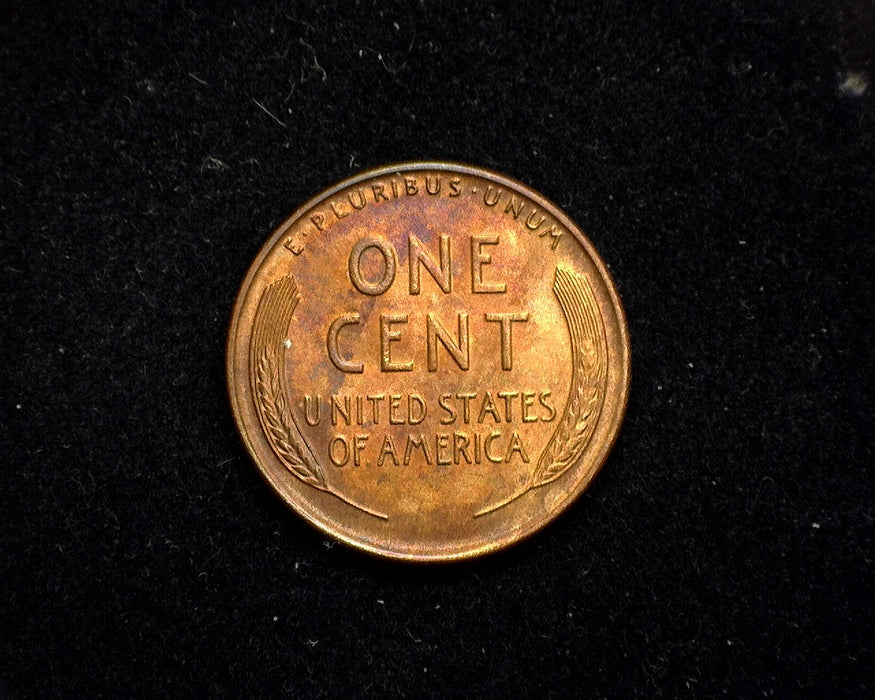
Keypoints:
(514, 535)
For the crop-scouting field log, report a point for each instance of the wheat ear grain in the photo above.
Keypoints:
(279, 431)
(588, 361)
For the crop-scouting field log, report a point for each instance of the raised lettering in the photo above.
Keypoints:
(360, 204)
(375, 405)
(542, 398)
(458, 350)
(416, 443)
(506, 320)
(508, 405)
(441, 273)
(530, 220)
(390, 264)
(388, 336)
(451, 412)
(388, 449)
(488, 406)
(416, 410)
(516, 446)
(528, 399)
(441, 445)
(357, 446)
(554, 236)
(487, 443)
(338, 410)
(513, 206)
(331, 342)
(460, 447)
(394, 412)
(466, 411)
(312, 420)
(479, 259)
(293, 247)
(335, 460)
(339, 213)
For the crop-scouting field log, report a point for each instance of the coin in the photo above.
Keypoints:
(428, 361)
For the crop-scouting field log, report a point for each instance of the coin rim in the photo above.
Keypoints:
(514, 536)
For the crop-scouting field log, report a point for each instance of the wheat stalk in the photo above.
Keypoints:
(269, 331)
(278, 426)
(589, 371)
(587, 384)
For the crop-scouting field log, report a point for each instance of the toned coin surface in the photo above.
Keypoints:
(428, 361)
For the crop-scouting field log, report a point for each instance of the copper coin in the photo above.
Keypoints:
(428, 361)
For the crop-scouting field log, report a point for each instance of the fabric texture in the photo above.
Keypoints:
(720, 157)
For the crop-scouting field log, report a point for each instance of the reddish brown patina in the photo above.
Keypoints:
(428, 361)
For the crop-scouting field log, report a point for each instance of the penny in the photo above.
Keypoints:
(428, 361)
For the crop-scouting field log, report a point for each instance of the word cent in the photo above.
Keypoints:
(428, 361)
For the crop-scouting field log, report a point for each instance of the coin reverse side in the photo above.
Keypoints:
(428, 361)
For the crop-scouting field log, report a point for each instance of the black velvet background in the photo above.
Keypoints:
(719, 155)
